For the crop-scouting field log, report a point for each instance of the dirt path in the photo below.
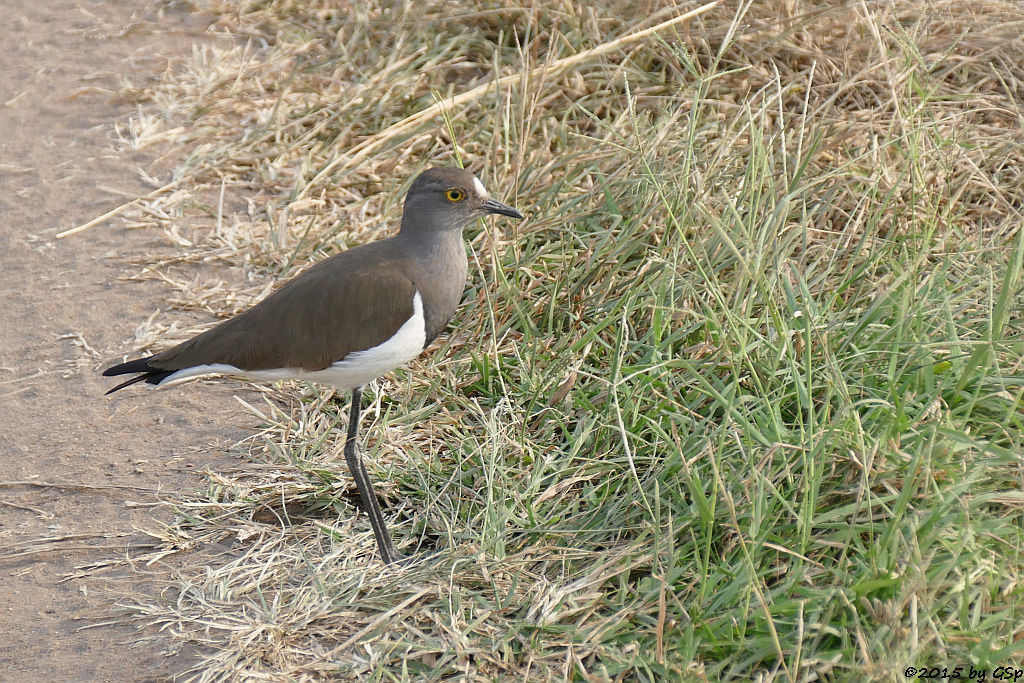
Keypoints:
(59, 71)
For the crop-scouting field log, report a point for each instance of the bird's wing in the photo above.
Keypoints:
(339, 306)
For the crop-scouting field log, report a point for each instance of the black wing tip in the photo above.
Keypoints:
(143, 370)
(154, 377)
(122, 385)
(136, 365)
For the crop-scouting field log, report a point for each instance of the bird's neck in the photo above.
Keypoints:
(440, 265)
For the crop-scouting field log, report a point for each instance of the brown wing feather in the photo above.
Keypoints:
(350, 302)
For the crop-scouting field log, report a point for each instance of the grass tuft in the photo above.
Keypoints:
(742, 398)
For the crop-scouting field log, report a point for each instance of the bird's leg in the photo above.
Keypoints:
(362, 479)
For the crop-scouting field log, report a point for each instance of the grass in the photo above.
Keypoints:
(742, 398)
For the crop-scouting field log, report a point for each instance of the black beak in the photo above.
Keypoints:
(494, 206)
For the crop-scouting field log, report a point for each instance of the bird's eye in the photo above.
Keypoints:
(454, 194)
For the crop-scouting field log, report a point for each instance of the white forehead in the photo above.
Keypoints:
(480, 189)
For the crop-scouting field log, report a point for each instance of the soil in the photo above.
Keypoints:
(81, 473)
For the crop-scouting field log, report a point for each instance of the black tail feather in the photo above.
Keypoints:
(132, 366)
(139, 365)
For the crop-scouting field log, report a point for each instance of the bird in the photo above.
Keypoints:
(350, 318)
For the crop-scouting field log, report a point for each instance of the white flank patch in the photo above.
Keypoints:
(200, 370)
(480, 189)
(354, 370)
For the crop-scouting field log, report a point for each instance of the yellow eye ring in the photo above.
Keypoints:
(454, 194)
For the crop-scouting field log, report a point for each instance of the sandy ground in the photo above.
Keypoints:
(61, 62)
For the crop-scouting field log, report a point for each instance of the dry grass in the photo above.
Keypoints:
(741, 398)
